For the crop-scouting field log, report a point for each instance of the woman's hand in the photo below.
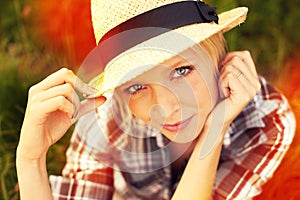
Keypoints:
(53, 106)
(238, 83)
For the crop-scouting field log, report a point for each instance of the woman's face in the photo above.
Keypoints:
(175, 97)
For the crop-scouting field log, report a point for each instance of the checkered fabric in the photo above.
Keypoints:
(105, 163)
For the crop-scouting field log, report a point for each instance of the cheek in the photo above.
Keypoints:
(203, 96)
(139, 108)
(200, 94)
(206, 95)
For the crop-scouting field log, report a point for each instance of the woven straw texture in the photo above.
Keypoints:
(106, 14)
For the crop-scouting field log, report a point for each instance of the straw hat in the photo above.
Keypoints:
(136, 35)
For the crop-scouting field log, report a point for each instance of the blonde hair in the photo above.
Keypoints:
(216, 47)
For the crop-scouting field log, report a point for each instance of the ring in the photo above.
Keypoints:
(239, 74)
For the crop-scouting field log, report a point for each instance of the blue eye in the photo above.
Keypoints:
(133, 89)
(182, 71)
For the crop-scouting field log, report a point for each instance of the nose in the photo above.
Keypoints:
(164, 100)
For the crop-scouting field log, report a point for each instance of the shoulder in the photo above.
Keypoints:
(271, 102)
(268, 93)
(268, 100)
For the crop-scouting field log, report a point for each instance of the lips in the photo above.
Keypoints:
(178, 125)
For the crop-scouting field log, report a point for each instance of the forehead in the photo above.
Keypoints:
(175, 61)
(195, 56)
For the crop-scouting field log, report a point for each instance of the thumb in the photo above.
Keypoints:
(88, 105)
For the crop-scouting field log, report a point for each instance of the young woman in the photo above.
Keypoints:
(182, 118)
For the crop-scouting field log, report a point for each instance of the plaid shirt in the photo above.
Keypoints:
(105, 163)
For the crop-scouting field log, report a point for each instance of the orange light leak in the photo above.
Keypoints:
(66, 25)
(285, 183)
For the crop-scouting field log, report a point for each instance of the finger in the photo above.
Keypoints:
(236, 90)
(245, 56)
(223, 90)
(250, 88)
(231, 79)
(237, 99)
(236, 66)
(65, 90)
(60, 77)
(54, 104)
(88, 105)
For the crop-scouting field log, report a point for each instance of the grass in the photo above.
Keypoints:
(11, 113)
(25, 61)
(21, 68)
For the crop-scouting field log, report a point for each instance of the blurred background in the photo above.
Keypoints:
(39, 37)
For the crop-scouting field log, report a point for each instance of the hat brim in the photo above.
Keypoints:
(126, 66)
